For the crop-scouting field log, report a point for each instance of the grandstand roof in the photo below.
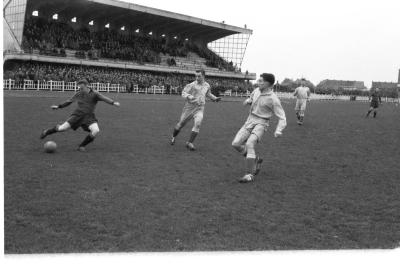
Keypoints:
(134, 16)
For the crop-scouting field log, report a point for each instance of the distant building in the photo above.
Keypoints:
(340, 85)
(384, 85)
(387, 89)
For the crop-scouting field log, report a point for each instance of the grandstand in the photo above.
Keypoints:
(337, 85)
(110, 37)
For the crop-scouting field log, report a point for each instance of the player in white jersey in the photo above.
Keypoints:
(195, 94)
(264, 104)
(302, 94)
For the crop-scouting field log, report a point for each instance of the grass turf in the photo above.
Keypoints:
(330, 184)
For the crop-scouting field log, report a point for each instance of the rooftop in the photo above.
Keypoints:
(132, 16)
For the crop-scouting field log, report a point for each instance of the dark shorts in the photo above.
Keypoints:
(374, 104)
(81, 120)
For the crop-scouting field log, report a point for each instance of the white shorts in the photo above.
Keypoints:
(191, 111)
(301, 105)
(254, 125)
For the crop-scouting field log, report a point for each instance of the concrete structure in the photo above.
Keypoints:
(116, 15)
(342, 85)
(384, 85)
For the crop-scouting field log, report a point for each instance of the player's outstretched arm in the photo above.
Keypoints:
(212, 97)
(106, 99)
(280, 114)
(66, 103)
(249, 100)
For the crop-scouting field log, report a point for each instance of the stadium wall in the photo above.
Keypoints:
(121, 65)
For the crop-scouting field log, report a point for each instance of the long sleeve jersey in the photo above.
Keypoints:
(86, 101)
(199, 92)
(376, 97)
(302, 92)
(265, 105)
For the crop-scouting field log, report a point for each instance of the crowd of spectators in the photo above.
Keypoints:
(69, 73)
(54, 37)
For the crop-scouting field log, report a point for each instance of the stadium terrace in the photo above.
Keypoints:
(119, 35)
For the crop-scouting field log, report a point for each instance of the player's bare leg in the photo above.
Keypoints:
(198, 118)
(240, 148)
(94, 131)
(253, 162)
(175, 133)
(238, 142)
(301, 117)
(182, 122)
(192, 137)
(369, 111)
(298, 115)
(58, 128)
(257, 167)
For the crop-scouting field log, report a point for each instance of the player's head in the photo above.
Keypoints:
(83, 85)
(200, 75)
(302, 81)
(267, 80)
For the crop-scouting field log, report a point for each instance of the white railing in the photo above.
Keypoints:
(10, 84)
(103, 87)
(70, 86)
(113, 88)
(135, 89)
(174, 90)
(29, 85)
(155, 90)
(56, 86)
(362, 98)
(122, 89)
(236, 94)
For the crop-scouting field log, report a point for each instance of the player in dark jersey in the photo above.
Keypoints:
(375, 101)
(83, 116)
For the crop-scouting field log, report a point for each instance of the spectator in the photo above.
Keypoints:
(70, 73)
(53, 37)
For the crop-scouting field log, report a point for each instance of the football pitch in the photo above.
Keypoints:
(333, 183)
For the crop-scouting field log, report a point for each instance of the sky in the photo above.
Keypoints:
(317, 40)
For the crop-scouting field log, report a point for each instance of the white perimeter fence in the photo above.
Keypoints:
(315, 96)
(62, 86)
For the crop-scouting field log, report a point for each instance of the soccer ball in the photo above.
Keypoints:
(50, 147)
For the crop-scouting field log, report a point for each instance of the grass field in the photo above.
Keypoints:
(333, 183)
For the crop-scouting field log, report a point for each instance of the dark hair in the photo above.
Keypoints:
(268, 77)
(83, 81)
(201, 71)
